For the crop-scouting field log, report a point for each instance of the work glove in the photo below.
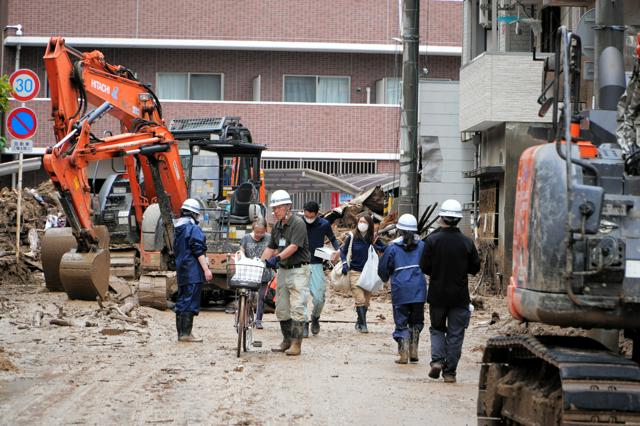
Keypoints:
(273, 262)
(345, 269)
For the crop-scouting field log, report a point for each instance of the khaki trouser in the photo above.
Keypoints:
(292, 292)
(361, 297)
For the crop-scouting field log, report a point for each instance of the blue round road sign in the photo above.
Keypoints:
(22, 123)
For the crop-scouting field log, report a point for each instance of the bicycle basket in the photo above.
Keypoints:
(246, 273)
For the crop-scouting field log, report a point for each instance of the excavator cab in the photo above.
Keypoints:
(223, 172)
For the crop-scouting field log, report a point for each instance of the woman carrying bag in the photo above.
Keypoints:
(401, 263)
(363, 238)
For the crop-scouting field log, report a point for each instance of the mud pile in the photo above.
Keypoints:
(38, 206)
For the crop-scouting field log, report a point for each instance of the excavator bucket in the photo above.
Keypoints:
(85, 275)
(55, 243)
(81, 275)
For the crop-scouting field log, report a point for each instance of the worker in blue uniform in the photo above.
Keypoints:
(401, 263)
(190, 248)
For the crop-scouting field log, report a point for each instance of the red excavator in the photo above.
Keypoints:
(223, 173)
(145, 144)
(576, 254)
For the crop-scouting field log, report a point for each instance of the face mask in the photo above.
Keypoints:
(363, 227)
(309, 221)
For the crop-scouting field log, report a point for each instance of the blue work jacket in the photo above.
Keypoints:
(189, 243)
(408, 284)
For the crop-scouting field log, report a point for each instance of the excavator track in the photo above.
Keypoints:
(556, 380)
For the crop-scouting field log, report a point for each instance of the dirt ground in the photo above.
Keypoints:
(106, 371)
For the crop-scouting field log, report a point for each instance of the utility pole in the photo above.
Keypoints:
(408, 191)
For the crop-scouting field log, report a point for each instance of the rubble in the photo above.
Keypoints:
(39, 209)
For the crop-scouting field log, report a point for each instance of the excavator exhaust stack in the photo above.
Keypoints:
(83, 276)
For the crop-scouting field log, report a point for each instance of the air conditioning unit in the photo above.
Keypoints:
(484, 13)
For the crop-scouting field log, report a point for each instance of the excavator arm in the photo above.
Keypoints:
(115, 91)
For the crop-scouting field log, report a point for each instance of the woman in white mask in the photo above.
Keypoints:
(363, 238)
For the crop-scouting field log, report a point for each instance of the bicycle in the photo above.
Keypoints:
(246, 280)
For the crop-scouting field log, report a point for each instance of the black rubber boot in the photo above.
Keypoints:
(285, 327)
(179, 325)
(413, 344)
(187, 321)
(297, 331)
(362, 319)
(403, 351)
(305, 331)
(315, 325)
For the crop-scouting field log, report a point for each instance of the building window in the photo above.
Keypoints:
(388, 91)
(320, 89)
(189, 86)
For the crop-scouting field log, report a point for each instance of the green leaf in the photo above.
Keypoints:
(5, 90)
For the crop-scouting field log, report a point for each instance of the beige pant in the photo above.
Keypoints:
(292, 293)
(361, 297)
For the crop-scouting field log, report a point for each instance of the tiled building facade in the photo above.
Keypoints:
(345, 45)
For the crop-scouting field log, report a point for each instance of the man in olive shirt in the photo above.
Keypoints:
(288, 249)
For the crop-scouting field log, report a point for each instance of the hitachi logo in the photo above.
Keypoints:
(95, 84)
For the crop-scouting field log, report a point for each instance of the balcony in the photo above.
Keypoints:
(500, 87)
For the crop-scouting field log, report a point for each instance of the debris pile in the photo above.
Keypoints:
(39, 209)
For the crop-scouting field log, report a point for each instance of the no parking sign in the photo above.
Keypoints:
(25, 84)
(22, 123)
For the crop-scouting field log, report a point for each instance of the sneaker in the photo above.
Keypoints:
(448, 378)
(259, 325)
(436, 368)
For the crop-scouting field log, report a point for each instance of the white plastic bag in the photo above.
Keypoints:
(369, 279)
(247, 270)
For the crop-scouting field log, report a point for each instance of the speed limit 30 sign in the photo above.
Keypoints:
(25, 84)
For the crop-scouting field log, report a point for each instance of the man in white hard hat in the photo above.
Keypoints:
(190, 248)
(288, 250)
(448, 258)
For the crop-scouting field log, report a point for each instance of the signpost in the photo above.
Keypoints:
(22, 124)
(25, 85)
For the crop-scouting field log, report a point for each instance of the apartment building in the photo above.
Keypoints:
(316, 81)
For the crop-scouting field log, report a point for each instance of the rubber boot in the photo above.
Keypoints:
(413, 344)
(305, 331)
(187, 321)
(403, 351)
(315, 325)
(362, 319)
(179, 325)
(358, 319)
(297, 331)
(285, 327)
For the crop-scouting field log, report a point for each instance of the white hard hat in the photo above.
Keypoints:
(407, 222)
(450, 208)
(279, 198)
(191, 205)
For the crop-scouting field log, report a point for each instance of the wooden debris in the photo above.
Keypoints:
(155, 288)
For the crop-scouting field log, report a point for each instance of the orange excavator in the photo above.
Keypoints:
(77, 79)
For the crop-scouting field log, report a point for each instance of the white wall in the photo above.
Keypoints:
(438, 116)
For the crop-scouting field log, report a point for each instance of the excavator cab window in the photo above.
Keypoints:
(205, 180)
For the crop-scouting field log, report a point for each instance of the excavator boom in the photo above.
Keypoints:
(145, 144)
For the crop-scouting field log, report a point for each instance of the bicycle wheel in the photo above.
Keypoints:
(242, 322)
(249, 323)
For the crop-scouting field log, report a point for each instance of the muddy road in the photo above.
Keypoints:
(106, 371)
